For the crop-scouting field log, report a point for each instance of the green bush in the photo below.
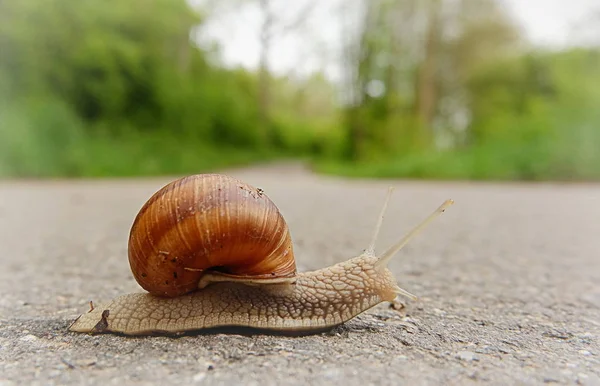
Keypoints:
(40, 138)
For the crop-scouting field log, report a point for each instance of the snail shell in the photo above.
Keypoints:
(208, 222)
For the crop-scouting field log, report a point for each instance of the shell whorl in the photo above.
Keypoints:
(208, 222)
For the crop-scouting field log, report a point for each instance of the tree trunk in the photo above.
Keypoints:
(427, 77)
(264, 84)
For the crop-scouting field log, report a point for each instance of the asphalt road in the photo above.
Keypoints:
(508, 281)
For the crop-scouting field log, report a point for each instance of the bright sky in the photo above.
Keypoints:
(545, 22)
(549, 22)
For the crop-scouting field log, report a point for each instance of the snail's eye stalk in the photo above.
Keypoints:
(384, 259)
(371, 249)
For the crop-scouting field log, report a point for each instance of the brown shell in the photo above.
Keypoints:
(208, 222)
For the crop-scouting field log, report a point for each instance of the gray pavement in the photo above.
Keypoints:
(508, 280)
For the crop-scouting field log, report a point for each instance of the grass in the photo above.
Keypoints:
(490, 162)
(133, 155)
(47, 140)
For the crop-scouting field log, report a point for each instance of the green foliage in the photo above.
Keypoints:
(117, 88)
(534, 118)
(40, 138)
(45, 138)
(103, 88)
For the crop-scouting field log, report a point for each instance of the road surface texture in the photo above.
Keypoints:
(508, 281)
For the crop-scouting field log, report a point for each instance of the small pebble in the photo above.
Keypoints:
(550, 380)
(588, 379)
(205, 363)
(29, 338)
(467, 356)
(90, 361)
(331, 374)
(199, 377)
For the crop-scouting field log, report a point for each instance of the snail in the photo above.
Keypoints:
(212, 251)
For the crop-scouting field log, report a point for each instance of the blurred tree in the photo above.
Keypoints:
(430, 47)
(106, 59)
(426, 91)
(478, 33)
(278, 20)
(272, 27)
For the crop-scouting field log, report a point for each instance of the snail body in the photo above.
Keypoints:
(212, 251)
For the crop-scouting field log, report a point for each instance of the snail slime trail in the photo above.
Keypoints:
(214, 252)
